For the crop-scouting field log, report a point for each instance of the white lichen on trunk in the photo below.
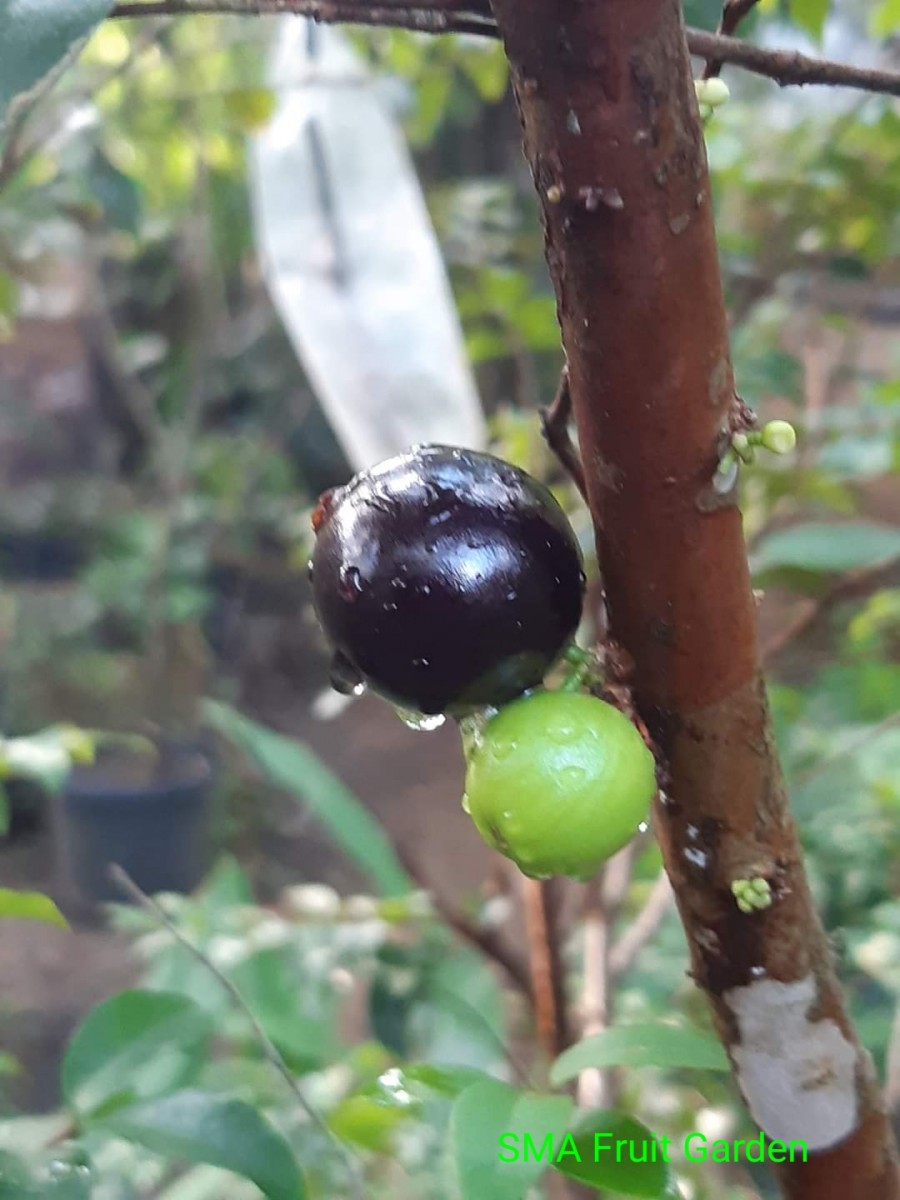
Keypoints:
(797, 1074)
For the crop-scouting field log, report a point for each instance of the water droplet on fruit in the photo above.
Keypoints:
(426, 589)
(310, 570)
(389, 606)
(512, 594)
(345, 677)
(351, 583)
(757, 972)
(503, 750)
(573, 775)
(698, 857)
(421, 722)
(398, 584)
(422, 663)
(465, 803)
(643, 827)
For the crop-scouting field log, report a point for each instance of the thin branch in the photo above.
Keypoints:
(733, 13)
(488, 941)
(540, 903)
(785, 67)
(892, 1073)
(825, 764)
(788, 68)
(21, 108)
(593, 1083)
(643, 928)
(437, 16)
(854, 584)
(605, 897)
(124, 881)
(556, 428)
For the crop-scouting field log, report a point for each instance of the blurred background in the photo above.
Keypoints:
(239, 261)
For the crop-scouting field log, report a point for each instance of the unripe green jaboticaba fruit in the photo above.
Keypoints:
(445, 579)
(558, 782)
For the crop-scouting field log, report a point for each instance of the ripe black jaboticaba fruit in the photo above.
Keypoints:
(445, 579)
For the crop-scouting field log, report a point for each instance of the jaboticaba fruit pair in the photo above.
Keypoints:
(449, 581)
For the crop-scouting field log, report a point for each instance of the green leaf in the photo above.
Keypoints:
(810, 15)
(250, 108)
(656, 1045)
(364, 1121)
(302, 1028)
(595, 1156)
(15, 1180)
(885, 18)
(137, 1044)
(488, 1111)
(117, 193)
(36, 35)
(195, 1127)
(293, 766)
(30, 906)
(9, 1066)
(446, 1081)
(9, 304)
(826, 547)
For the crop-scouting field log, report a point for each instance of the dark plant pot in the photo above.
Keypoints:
(41, 557)
(156, 828)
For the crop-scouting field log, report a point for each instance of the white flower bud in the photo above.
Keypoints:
(313, 900)
(712, 92)
(360, 908)
(779, 436)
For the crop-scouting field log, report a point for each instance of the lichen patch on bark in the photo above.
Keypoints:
(797, 1073)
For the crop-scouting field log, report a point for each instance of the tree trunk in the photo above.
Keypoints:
(613, 138)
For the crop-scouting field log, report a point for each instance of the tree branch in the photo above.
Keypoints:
(733, 13)
(540, 901)
(488, 941)
(645, 331)
(605, 897)
(853, 584)
(555, 426)
(785, 67)
(435, 16)
(642, 929)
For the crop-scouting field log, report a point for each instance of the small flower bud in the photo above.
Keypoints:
(779, 436)
(313, 900)
(711, 92)
(360, 908)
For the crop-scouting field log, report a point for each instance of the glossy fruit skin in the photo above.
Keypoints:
(446, 579)
(558, 782)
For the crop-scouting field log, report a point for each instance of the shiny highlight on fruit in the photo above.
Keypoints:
(446, 580)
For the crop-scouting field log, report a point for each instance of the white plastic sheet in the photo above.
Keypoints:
(351, 259)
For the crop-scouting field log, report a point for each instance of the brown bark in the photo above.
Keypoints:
(613, 138)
